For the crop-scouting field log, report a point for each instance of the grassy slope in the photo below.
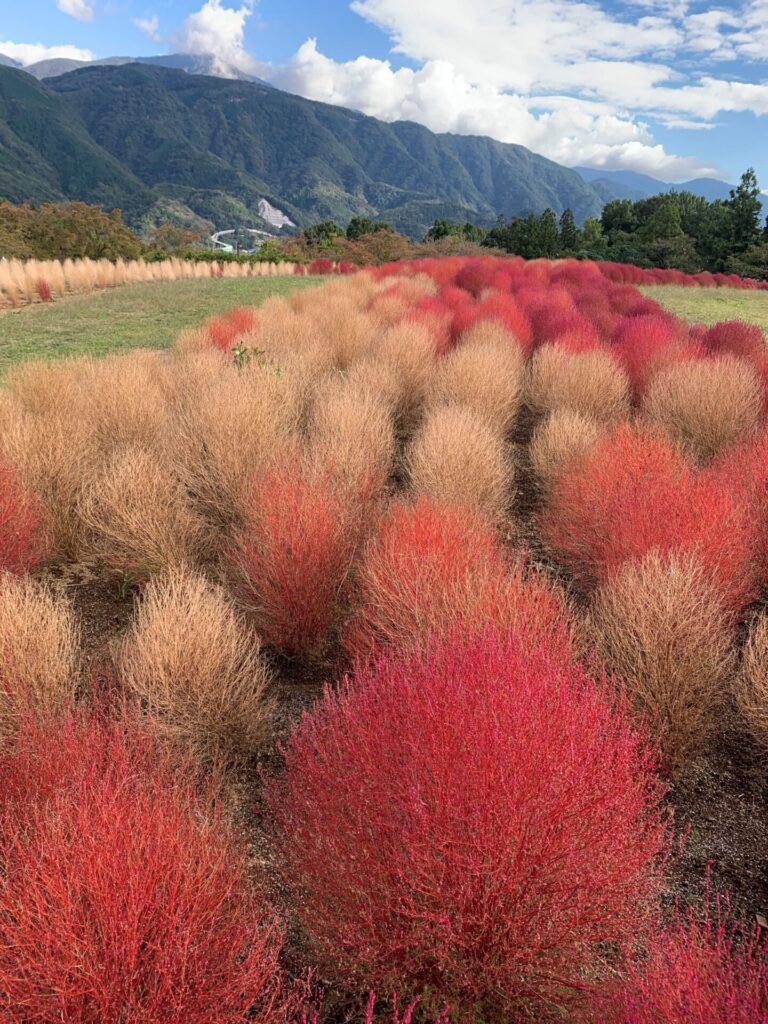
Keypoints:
(708, 305)
(134, 316)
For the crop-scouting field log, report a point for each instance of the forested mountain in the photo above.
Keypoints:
(148, 138)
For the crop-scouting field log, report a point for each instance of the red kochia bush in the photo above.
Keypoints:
(433, 569)
(124, 892)
(695, 973)
(227, 328)
(736, 337)
(293, 559)
(646, 344)
(22, 543)
(634, 493)
(477, 822)
(43, 290)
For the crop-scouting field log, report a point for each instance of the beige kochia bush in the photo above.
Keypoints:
(560, 439)
(591, 383)
(660, 626)
(459, 458)
(752, 688)
(137, 517)
(229, 427)
(40, 645)
(705, 405)
(485, 373)
(352, 436)
(196, 667)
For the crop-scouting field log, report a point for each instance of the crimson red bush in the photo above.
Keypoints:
(321, 266)
(696, 972)
(293, 559)
(478, 822)
(737, 338)
(647, 344)
(225, 330)
(22, 540)
(43, 290)
(634, 493)
(124, 892)
(432, 569)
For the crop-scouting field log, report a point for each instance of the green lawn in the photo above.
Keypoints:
(708, 305)
(132, 316)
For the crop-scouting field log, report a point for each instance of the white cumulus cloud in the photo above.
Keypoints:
(80, 9)
(30, 53)
(149, 26)
(219, 31)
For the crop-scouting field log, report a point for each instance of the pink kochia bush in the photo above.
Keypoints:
(695, 972)
(634, 493)
(124, 893)
(225, 330)
(476, 823)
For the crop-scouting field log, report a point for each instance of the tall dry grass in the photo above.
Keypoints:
(661, 627)
(20, 279)
(705, 405)
(196, 667)
(458, 457)
(41, 655)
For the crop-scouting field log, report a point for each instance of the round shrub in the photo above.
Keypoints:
(125, 894)
(591, 383)
(479, 822)
(705, 405)
(659, 624)
(196, 667)
(22, 541)
(634, 493)
(695, 972)
(433, 569)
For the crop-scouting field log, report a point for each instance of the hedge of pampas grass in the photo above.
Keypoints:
(27, 281)
(41, 656)
(196, 668)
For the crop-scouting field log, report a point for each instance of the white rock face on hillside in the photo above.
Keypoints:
(274, 217)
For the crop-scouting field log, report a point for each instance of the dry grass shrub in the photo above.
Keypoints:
(409, 350)
(485, 372)
(229, 426)
(591, 383)
(55, 457)
(705, 405)
(660, 625)
(351, 435)
(752, 685)
(558, 441)
(196, 667)
(137, 516)
(459, 458)
(40, 645)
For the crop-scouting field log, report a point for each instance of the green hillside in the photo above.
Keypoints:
(137, 135)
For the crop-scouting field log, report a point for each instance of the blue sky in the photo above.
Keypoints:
(673, 88)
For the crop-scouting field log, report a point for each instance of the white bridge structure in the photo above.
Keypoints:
(259, 238)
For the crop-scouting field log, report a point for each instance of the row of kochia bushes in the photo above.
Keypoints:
(378, 476)
(26, 281)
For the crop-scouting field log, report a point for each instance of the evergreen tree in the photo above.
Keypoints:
(746, 210)
(569, 234)
(546, 236)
